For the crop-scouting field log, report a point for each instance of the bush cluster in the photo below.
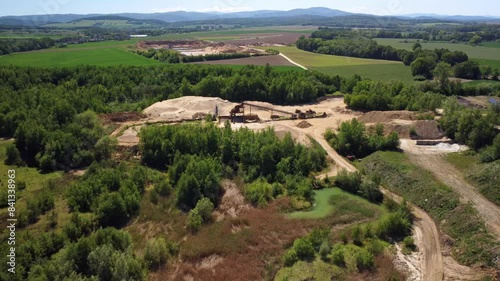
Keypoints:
(353, 139)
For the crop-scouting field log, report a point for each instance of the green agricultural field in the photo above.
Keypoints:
(477, 52)
(90, 23)
(335, 200)
(105, 44)
(495, 44)
(484, 82)
(492, 63)
(347, 66)
(75, 56)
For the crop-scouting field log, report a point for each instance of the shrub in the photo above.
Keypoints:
(324, 250)
(156, 252)
(419, 78)
(364, 260)
(304, 249)
(259, 192)
(194, 220)
(349, 182)
(337, 256)
(290, 258)
(111, 210)
(205, 208)
(357, 236)
(409, 243)
(104, 147)
(153, 196)
(370, 191)
(13, 157)
(164, 188)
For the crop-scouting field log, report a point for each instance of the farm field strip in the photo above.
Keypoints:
(348, 66)
(474, 52)
(101, 56)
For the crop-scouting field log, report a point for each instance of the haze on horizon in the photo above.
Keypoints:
(385, 7)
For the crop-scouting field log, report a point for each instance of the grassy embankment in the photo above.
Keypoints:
(471, 243)
(484, 176)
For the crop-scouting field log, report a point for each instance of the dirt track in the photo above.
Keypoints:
(430, 245)
(450, 176)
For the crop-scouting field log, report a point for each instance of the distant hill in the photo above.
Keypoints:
(179, 16)
(182, 16)
(451, 18)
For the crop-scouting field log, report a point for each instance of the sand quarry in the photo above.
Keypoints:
(184, 109)
(197, 47)
(195, 108)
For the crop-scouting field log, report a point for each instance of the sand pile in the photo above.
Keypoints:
(428, 129)
(386, 116)
(425, 129)
(304, 125)
(185, 108)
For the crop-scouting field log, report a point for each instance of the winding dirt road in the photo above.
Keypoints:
(453, 178)
(432, 267)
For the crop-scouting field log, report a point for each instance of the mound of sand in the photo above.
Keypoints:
(386, 116)
(425, 129)
(428, 129)
(304, 125)
(185, 108)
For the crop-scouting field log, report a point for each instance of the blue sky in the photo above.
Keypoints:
(380, 7)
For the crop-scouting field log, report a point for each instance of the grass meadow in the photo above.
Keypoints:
(347, 66)
(334, 200)
(102, 56)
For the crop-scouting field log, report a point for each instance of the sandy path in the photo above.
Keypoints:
(453, 178)
(432, 267)
(291, 61)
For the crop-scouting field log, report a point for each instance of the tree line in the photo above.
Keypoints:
(13, 45)
(469, 33)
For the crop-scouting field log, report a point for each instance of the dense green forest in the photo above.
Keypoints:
(52, 115)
